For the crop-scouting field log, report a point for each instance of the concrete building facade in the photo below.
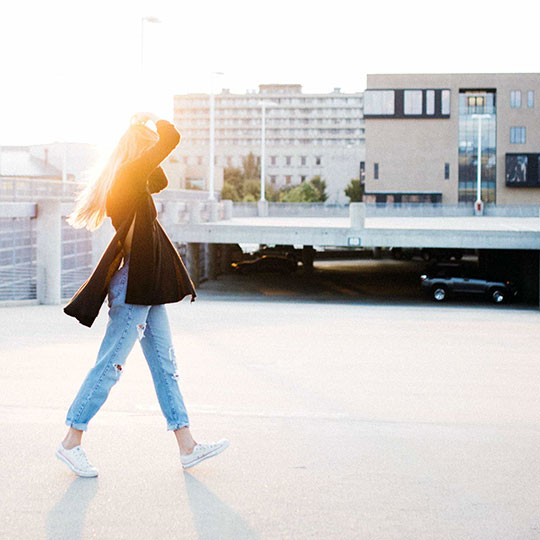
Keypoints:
(422, 138)
(306, 135)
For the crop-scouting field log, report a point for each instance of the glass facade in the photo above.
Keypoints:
(475, 102)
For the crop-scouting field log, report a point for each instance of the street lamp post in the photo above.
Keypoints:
(211, 165)
(478, 204)
(263, 105)
(149, 19)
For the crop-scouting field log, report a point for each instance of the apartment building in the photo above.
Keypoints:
(305, 135)
(422, 135)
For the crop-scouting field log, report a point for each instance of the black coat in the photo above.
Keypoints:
(156, 274)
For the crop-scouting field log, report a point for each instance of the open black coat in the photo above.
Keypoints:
(156, 274)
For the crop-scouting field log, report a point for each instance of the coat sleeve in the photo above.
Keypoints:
(157, 181)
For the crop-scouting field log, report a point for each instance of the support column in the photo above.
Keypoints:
(49, 251)
(195, 212)
(262, 208)
(357, 215)
(213, 263)
(227, 209)
(214, 211)
(308, 256)
(193, 261)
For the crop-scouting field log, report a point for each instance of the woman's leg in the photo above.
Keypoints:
(159, 352)
(123, 329)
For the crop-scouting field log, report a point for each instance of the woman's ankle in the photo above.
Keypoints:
(72, 439)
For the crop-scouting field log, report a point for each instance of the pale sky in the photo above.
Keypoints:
(71, 69)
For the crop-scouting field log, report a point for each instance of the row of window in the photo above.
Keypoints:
(446, 171)
(402, 103)
(188, 141)
(272, 112)
(272, 160)
(188, 122)
(515, 99)
(274, 132)
(255, 101)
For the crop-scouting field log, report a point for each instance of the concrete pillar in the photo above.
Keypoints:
(169, 215)
(195, 212)
(213, 262)
(214, 211)
(49, 251)
(308, 256)
(262, 208)
(227, 209)
(100, 240)
(193, 261)
(357, 215)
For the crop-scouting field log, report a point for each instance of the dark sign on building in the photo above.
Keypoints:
(522, 170)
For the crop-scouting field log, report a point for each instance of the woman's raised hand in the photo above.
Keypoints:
(143, 117)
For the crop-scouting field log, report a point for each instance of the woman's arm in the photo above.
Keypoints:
(140, 169)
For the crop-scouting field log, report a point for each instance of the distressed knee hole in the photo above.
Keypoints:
(118, 369)
(140, 330)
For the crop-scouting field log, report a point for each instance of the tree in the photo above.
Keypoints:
(304, 192)
(251, 167)
(320, 187)
(355, 190)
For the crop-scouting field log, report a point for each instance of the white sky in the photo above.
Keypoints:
(70, 69)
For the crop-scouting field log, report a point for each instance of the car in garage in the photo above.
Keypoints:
(276, 264)
(443, 281)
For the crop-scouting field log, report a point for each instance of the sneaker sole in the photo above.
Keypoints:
(206, 456)
(73, 468)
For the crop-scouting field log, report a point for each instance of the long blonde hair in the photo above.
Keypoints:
(90, 207)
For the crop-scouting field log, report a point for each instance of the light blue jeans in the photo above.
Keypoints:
(127, 324)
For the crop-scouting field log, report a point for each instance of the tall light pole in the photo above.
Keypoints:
(211, 167)
(149, 19)
(479, 205)
(263, 105)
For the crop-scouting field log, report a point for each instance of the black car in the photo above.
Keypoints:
(267, 263)
(442, 282)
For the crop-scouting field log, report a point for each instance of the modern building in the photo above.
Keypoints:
(422, 138)
(305, 134)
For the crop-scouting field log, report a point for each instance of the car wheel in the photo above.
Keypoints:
(439, 293)
(498, 296)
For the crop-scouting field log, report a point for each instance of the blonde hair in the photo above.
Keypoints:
(90, 207)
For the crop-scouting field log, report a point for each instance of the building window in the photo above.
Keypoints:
(515, 99)
(518, 135)
(376, 171)
(287, 160)
(302, 179)
(430, 102)
(318, 160)
(362, 171)
(303, 160)
(273, 160)
(476, 104)
(447, 171)
(530, 98)
(412, 102)
(272, 179)
(379, 102)
(288, 179)
(445, 102)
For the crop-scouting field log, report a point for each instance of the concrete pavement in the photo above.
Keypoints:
(346, 421)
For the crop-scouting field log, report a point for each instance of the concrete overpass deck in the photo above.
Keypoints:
(450, 232)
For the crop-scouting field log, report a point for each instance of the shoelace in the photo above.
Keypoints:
(81, 455)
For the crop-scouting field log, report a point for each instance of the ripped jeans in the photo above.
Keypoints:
(127, 324)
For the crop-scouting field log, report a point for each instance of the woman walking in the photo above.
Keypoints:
(139, 271)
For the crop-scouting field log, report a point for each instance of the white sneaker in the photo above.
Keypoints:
(202, 452)
(77, 461)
